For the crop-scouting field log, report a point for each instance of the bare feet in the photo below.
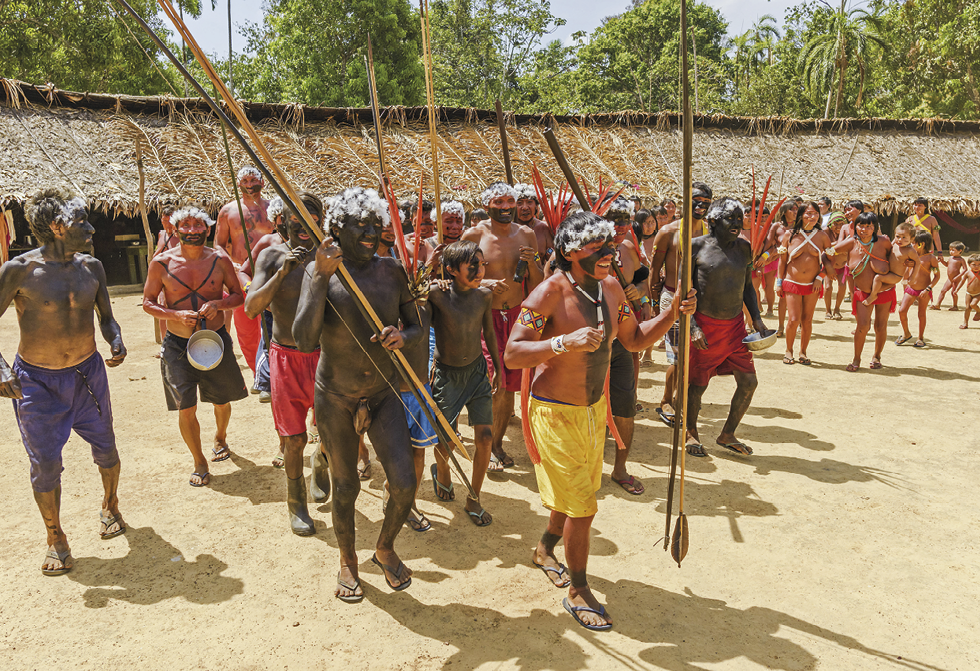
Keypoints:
(363, 469)
(556, 571)
(279, 461)
(964, 326)
(872, 297)
(579, 597)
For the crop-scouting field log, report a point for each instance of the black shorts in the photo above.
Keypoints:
(622, 381)
(454, 388)
(222, 384)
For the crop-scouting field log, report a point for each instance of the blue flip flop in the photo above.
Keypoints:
(575, 610)
(438, 486)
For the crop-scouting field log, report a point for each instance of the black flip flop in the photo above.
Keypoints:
(353, 598)
(397, 571)
(202, 476)
(225, 450)
(438, 486)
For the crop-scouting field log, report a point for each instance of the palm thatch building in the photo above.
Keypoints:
(87, 143)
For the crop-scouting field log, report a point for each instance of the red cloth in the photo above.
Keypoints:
(503, 324)
(292, 375)
(726, 352)
(912, 292)
(883, 297)
(248, 332)
(799, 289)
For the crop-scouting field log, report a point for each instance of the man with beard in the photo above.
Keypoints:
(566, 327)
(504, 244)
(356, 388)
(58, 381)
(198, 285)
(622, 371)
(527, 215)
(666, 246)
(721, 270)
(277, 283)
(230, 237)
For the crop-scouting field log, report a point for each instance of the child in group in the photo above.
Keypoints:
(955, 274)
(922, 279)
(971, 279)
(460, 316)
(900, 265)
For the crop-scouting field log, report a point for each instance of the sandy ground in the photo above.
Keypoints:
(848, 541)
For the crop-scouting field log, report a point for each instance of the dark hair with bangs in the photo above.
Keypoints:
(460, 253)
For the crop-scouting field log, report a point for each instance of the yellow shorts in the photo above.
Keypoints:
(570, 439)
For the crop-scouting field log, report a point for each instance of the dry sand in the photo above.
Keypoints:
(848, 541)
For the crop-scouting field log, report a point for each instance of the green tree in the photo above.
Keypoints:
(549, 85)
(312, 52)
(632, 60)
(764, 34)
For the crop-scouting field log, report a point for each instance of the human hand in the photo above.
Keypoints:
(435, 259)
(496, 286)
(495, 381)
(759, 326)
(391, 338)
(646, 312)
(686, 306)
(631, 292)
(527, 253)
(328, 258)
(118, 351)
(9, 383)
(442, 285)
(186, 317)
(293, 259)
(585, 339)
(207, 311)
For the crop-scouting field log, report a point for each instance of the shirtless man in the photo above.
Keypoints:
(527, 215)
(356, 382)
(721, 269)
(666, 249)
(923, 221)
(504, 243)
(868, 255)
(276, 287)
(622, 373)
(801, 254)
(229, 237)
(566, 329)
(166, 239)
(58, 380)
(194, 279)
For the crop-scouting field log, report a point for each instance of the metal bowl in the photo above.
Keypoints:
(205, 349)
(760, 340)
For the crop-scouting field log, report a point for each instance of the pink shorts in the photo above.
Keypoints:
(293, 376)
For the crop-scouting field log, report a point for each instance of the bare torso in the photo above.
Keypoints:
(458, 321)
(229, 235)
(501, 244)
(803, 254)
(189, 283)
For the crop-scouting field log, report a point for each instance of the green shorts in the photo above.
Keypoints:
(467, 386)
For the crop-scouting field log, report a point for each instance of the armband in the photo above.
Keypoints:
(765, 255)
(779, 283)
(558, 345)
(625, 312)
(830, 251)
(781, 250)
(537, 257)
(644, 300)
(532, 320)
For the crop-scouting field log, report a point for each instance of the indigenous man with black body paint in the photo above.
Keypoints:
(527, 215)
(356, 384)
(277, 283)
(461, 315)
(666, 256)
(566, 328)
(721, 269)
(229, 237)
(194, 279)
(58, 380)
(504, 244)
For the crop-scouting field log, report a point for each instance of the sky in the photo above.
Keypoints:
(211, 30)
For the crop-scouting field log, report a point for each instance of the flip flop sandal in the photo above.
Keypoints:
(874, 365)
(477, 518)
(60, 556)
(919, 344)
(629, 485)
(353, 598)
(734, 448)
(699, 450)
(506, 460)
(575, 610)
(421, 520)
(364, 473)
(205, 480)
(560, 572)
(788, 360)
(396, 571)
(107, 521)
(901, 340)
(279, 461)
(225, 450)
(495, 460)
(851, 368)
(805, 361)
(450, 495)
(666, 418)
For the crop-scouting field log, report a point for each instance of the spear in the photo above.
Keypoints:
(284, 188)
(430, 96)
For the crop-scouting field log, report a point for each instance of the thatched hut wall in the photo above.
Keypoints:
(86, 142)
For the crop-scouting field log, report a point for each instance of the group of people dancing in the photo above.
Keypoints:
(502, 301)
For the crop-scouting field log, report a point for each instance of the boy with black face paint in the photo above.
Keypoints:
(58, 381)
(461, 314)
(277, 283)
(722, 275)
(193, 279)
(505, 243)
(356, 383)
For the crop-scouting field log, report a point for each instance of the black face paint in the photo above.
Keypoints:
(502, 215)
(699, 208)
(387, 242)
(359, 239)
(192, 239)
(589, 262)
(253, 190)
(473, 269)
(726, 230)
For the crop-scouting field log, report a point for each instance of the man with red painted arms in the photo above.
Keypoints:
(721, 271)
(58, 380)
(198, 285)
(565, 332)
(504, 245)
(230, 237)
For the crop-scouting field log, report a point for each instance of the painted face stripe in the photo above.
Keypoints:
(532, 320)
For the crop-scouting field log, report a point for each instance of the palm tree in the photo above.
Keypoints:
(765, 34)
(743, 58)
(850, 34)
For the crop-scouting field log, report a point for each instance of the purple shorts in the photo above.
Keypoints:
(57, 401)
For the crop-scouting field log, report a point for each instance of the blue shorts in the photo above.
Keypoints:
(57, 401)
(419, 428)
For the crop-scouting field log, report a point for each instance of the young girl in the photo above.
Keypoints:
(922, 279)
(971, 279)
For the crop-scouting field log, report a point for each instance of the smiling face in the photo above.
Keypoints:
(296, 231)
(426, 227)
(192, 232)
(251, 185)
(851, 213)
(621, 220)
(811, 216)
(526, 209)
(502, 208)
(700, 207)
(359, 239)
(595, 259)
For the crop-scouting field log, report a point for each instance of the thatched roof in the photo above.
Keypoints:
(86, 142)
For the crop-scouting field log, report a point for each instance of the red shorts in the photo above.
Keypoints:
(726, 352)
(292, 375)
(883, 297)
(790, 287)
(248, 331)
(503, 324)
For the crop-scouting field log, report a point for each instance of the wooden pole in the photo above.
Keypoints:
(502, 127)
(142, 195)
(430, 95)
